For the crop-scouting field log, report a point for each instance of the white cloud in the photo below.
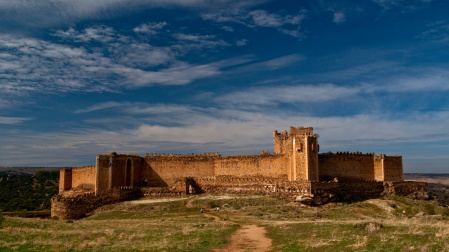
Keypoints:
(228, 131)
(402, 5)
(267, 96)
(339, 17)
(29, 64)
(287, 24)
(265, 19)
(57, 12)
(13, 120)
(151, 28)
(179, 74)
(272, 64)
(227, 28)
(241, 42)
(438, 32)
(194, 42)
(102, 34)
(99, 106)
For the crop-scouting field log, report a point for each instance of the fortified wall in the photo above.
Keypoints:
(355, 166)
(295, 169)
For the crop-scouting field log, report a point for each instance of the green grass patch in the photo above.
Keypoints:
(371, 225)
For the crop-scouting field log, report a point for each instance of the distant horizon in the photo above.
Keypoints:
(79, 78)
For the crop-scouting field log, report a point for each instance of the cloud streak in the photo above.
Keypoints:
(13, 120)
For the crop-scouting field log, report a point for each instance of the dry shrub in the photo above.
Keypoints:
(109, 232)
(373, 227)
(68, 245)
(85, 236)
(84, 245)
(361, 242)
(102, 240)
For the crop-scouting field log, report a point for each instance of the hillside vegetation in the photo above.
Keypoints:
(27, 192)
(249, 222)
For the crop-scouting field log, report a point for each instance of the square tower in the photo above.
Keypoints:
(301, 147)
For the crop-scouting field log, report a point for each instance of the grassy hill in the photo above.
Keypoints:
(177, 225)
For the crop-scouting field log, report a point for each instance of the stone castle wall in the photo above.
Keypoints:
(76, 207)
(265, 165)
(164, 170)
(116, 170)
(84, 176)
(393, 168)
(346, 166)
(231, 184)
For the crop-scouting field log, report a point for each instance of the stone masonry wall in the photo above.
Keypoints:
(281, 144)
(231, 184)
(115, 170)
(362, 188)
(67, 208)
(393, 168)
(346, 166)
(103, 173)
(265, 165)
(164, 170)
(65, 179)
(84, 176)
(404, 188)
(378, 168)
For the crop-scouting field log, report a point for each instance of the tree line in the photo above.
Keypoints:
(27, 192)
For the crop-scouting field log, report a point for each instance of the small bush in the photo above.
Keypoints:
(394, 205)
(371, 227)
(445, 212)
(430, 209)
(213, 204)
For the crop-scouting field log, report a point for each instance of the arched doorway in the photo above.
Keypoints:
(129, 173)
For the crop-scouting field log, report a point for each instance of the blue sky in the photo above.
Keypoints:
(79, 78)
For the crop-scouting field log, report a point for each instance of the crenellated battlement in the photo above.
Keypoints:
(181, 156)
(350, 153)
(301, 131)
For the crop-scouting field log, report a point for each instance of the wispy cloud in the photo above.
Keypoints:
(99, 106)
(29, 64)
(230, 131)
(402, 5)
(13, 120)
(287, 24)
(289, 94)
(272, 64)
(438, 32)
(339, 17)
(57, 12)
(150, 28)
(102, 34)
(265, 19)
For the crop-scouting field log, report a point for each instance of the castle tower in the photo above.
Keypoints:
(301, 147)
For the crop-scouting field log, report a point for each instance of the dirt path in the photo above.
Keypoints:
(248, 238)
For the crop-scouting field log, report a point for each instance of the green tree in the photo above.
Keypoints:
(1, 219)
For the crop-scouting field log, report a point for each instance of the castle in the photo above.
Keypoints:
(295, 170)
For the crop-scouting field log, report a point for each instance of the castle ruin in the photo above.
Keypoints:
(295, 171)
